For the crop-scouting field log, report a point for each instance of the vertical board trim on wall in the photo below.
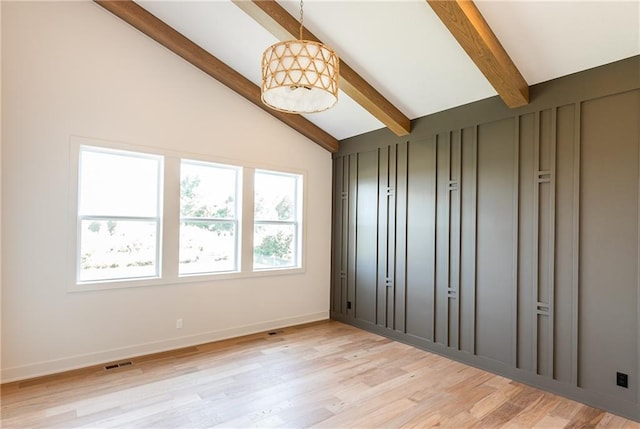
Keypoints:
(543, 284)
(447, 241)
(435, 235)
(390, 278)
(347, 228)
(443, 236)
(516, 237)
(575, 286)
(382, 236)
(535, 242)
(402, 183)
(459, 232)
(474, 214)
(344, 231)
(552, 239)
(353, 183)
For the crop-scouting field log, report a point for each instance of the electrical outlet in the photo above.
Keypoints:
(179, 323)
(622, 379)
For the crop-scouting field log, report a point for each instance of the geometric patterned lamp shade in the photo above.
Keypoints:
(300, 76)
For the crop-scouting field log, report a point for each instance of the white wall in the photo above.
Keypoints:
(75, 69)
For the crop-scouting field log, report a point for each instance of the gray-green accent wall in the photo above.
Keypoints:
(504, 238)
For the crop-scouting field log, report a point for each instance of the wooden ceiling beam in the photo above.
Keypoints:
(141, 19)
(467, 25)
(275, 19)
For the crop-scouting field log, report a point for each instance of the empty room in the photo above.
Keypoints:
(320, 213)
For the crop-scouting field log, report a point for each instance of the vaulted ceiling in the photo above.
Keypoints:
(401, 59)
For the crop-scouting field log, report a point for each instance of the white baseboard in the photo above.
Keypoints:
(81, 361)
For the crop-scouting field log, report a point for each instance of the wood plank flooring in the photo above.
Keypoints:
(324, 375)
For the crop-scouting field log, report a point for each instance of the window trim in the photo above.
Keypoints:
(171, 218)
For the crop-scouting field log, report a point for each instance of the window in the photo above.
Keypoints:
(277, 213)
(118, 215)
(147, 217)
(208, 218)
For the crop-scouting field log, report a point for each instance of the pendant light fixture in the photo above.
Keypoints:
(300, 76)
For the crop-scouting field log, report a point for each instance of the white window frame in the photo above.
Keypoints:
(156, 219)
(170, 213)
(296, 222)
(236, 221)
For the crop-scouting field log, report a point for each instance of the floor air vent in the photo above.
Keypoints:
(117, 365)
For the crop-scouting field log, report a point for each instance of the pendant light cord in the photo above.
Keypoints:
(301, 20)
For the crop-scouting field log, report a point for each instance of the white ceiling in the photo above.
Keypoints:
(403, 50)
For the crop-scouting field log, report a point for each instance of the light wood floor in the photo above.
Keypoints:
(326, 375)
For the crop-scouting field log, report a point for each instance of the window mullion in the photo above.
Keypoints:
(171, 218)
(121, 218)
(276, 222)
(246, 259)
(207, 219)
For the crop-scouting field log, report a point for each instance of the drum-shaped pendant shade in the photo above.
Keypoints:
(300, 76)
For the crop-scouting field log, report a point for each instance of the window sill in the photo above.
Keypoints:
(194, 278)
